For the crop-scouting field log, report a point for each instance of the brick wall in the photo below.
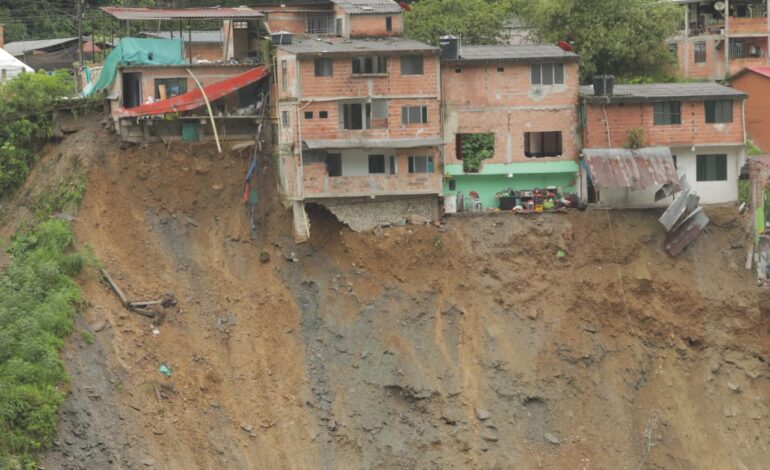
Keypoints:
(713, 68)
(482, 99)
(747, 25)
(757, 107)
(367, 26)
(692, 131)
(291, 21)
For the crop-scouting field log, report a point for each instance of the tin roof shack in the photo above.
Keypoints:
(359, 128)
(721, 37)
(342, 18)
(52, 54)
(510, 119)
(202, 46)
(701, 124)
(156, 93)
(755, 81)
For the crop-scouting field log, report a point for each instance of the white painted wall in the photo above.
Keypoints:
(355, 162)
(710, 192)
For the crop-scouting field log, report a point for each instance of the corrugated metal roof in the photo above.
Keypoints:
(372, 143)
(197, 36)
(763, 70)
(664, 92)
(368, 7)
(123, 13)
(18, 48)
(630, 168)
(339, 45)
(515, 53)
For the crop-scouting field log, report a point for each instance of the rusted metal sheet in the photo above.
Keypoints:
(631, 168)
(686, 203)
(194, 99)
(219, 13)
(688, 231)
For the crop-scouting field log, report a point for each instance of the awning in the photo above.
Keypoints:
(357, 143)
(194, 99)
(518, 168)
(630, 168)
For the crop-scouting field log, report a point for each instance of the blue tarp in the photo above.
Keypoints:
(137, 51)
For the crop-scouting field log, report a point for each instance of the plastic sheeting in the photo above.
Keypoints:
(137, 51)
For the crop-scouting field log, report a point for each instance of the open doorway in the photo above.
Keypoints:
(132, 89)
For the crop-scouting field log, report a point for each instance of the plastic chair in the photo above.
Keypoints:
(474, 204)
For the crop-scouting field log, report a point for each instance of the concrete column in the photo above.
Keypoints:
(727, 38)
(686, 42)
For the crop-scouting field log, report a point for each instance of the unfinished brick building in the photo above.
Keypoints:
(521, 102)
(341, 18)
(701, 123)
(718, 38)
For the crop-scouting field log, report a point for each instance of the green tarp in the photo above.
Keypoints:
(137, 51)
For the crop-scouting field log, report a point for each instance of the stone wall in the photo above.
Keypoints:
(366, 214)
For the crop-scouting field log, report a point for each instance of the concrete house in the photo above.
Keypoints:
(721, 37)
(359, 128)
(755, 81)
(520, 103)
(695, 128)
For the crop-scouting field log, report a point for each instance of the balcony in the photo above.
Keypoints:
(739, 26)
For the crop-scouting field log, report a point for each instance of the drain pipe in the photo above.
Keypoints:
(208, 105)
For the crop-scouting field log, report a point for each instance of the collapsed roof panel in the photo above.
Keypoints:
(630, 168)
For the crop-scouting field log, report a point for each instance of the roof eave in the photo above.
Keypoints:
(521, 60)
(592, 99)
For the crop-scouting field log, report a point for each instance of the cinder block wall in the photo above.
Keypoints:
(365, 214)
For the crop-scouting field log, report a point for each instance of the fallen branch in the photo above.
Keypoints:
(138, 306)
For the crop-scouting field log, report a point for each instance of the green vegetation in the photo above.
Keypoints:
(752, 150)
(38, 299)
(475, 149)
(625, 38)
(474, 21)
(635, 139)
(25, 122)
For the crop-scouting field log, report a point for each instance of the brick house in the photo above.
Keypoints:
(359, 128)
(712, 27)
(755, 81)
(701, 124)
(521, 101)
(201, 46)
(342, 18)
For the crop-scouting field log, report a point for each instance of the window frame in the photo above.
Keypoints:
(285, 119)
(389, 24)
(699, 52)
(372, 158)
(704, 174)
(428, 162)
(408, 112)
(661, 116)
(334, 161)
(546, 74)
(163, 81)
(544, 145)
(324, 67)
(378, 63)
(411, 61)
(721, 111)
(345, 119)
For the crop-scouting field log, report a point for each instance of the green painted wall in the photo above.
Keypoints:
(489, 185)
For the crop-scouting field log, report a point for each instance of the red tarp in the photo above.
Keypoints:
(194, 99)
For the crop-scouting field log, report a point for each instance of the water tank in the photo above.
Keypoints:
(281, 38)
(603, 85)
(450, 47)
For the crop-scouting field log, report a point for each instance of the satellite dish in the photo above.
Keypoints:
(719, 6)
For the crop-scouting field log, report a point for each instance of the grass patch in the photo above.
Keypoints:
(38, 299)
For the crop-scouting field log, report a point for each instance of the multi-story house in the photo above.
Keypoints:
(510, 120)
(342, 18)
(695, 129)
(719, 38)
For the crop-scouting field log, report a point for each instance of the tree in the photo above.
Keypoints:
(625, 38)
(474, 21)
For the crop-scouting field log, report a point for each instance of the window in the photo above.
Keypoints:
(718, 111)
(420, 164)
(169, 87)
(320, 23)
(354, 116)
(323, 114)
(240, 25)
(324, 68)
(379, 110)
(542, 144)
(666, 112)
(388, 24)
(711, 167)
(458, 70)
(414, 115)
(472, 149)
(547, 74)
(376, 164)
(308, 114)
(338, 26)
(392, 165)
(411, 65)
(700, 52)
(285, 118)
(334, 164)
(370, 65)
(284, 77)
(674, 50)
(501, 69)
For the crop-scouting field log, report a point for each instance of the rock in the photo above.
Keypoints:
(415, 219)
(247, 427)
(489, 435)
(730, 411)
(98, 325)
(552, 439)
(734, 387)
(589, 328)
(217, 187)
(534, 314)
(378, 232)
(483, 414)
(148, 462)
(264, 256)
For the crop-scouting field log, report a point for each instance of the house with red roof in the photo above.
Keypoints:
(756, 82)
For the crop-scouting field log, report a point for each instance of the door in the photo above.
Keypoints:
(132, 89)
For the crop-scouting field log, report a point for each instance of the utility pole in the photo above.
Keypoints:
(80, 32)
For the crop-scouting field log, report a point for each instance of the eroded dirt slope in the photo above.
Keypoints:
(470, 346)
